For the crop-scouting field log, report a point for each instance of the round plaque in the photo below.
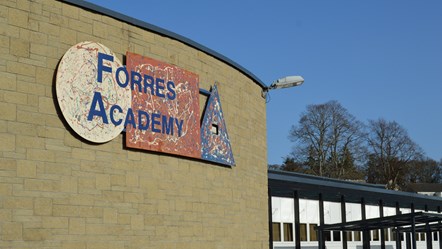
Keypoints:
(85, 102)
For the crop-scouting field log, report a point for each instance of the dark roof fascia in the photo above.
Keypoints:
(283, 184)
(324, 182)
(164, 32)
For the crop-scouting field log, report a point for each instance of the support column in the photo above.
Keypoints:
(429, 236)
(365, 233)
(413, 228)
(381, 214)
(344, 220)
(429, 239)
(270, 218)
(398, 233)
(440, 231)
(321, 239)
(297, 220)
(413, 233)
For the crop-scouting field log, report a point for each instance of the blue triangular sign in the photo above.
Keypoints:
(214, 138)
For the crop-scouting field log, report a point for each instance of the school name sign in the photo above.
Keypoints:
(156, 103)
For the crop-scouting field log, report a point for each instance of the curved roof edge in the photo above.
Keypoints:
(147, 26)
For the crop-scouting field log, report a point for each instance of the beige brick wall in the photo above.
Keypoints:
(57, 191)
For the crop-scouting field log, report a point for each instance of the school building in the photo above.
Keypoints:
(118, 134)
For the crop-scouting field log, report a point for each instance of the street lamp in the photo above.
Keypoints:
(289, 81)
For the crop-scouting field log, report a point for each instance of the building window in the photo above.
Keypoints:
(422, 236)
(303, 231)
(417, 237)
(276, 228)
(375, 235)
(385, 234)
(357, 236)
(349, 236)
(435, 237)
(327, 235)
(313, 232)
(336, 236)
(288, 232)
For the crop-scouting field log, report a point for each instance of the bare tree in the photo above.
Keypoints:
(326, 138)
(424, 171)
(390, 151)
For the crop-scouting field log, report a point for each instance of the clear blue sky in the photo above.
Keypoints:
(377, 58)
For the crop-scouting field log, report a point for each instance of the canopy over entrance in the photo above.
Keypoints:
(397, 221)
(300, 186)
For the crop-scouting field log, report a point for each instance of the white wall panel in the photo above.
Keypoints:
(287, 210)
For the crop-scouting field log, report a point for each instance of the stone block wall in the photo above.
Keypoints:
(58, 191)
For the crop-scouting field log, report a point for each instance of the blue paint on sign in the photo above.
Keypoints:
(214, 137)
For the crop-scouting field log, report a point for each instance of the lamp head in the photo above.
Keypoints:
(285, 82)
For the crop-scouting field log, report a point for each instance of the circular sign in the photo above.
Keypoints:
(87, 92)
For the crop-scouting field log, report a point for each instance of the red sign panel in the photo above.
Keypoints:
(164, 115)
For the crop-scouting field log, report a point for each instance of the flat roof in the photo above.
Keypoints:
(163, 32)
(283, 184)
